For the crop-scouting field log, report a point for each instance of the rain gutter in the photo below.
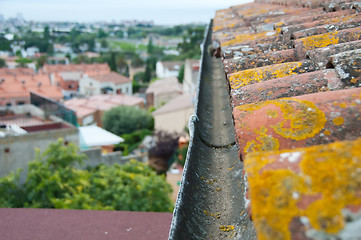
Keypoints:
(210, 203)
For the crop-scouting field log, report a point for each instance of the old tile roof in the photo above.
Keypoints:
(181, 102)
(165, 85)
(113, 77)
(71, 76)
(293, 68)
(86, 106)
(89, 69)
(20, 82)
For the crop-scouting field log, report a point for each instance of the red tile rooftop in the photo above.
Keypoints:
(19, 84)
(90, 69)
(113, 77)
(293, 68)
(56, 224)
(85, 106)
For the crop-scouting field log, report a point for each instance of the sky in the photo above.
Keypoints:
(162, 12)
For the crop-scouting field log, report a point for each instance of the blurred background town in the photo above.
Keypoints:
(95, 115)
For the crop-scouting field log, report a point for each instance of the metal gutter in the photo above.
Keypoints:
(210, 202)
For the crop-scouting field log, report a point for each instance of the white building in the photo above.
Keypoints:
(162, 91)
(111, 83)
(174, 116)
(191, 74)
(168, 69)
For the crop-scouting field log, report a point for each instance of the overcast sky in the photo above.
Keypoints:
(166, 12)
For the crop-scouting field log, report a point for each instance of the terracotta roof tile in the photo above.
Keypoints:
(348, 66)
(20, 82)
(294, 85)
(323, 40)
(89, 69)
(300, 121)
(85, 106)
(113, 77)
(293, 67)
(254, 75)
(259, 60)
(321, 56)
(165, 85)
(286, 206)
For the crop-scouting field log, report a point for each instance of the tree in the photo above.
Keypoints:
(150, 47)
(54, 182)
(40, 61)
(5, 45)
(2, 63)
(22, 62)
(181, 74)
(162, 154)
(127, 119)
(132, 140)
(46, 35)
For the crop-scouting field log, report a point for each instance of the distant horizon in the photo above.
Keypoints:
(161, 12)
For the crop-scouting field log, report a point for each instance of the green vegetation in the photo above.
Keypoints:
(126, 46)
(163, 153)
(127, 119)
(132, 140)
(2, 63)
(54, 182)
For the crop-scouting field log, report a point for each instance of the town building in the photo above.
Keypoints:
(162, 91)
(191, 75)
(25, 128)
(167, 69)
(16, 85)
(110, 83)
(174, 115)
(90, 110)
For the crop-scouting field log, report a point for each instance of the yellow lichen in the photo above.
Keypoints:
(319, 41)
(338, 121)
(353, 80)
(205, 212)
(247, 37)
(265, 142)
(342, 105)
(255, 75)
(327, 171)
(305, 120)
(327, 132)
(272, 114)
(279, 24)
(227, 228)
(217, 28)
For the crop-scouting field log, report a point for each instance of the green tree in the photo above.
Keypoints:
(127, 119)
(22, 62)
(181, 74)
(150, 47)
(2, 63)
(4, 44)
(163, 153)
(40, 61)
(54, 182)
(46, 34)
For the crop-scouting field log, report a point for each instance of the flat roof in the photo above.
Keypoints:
(60, 224)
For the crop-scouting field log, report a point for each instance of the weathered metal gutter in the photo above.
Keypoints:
(210, 202)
